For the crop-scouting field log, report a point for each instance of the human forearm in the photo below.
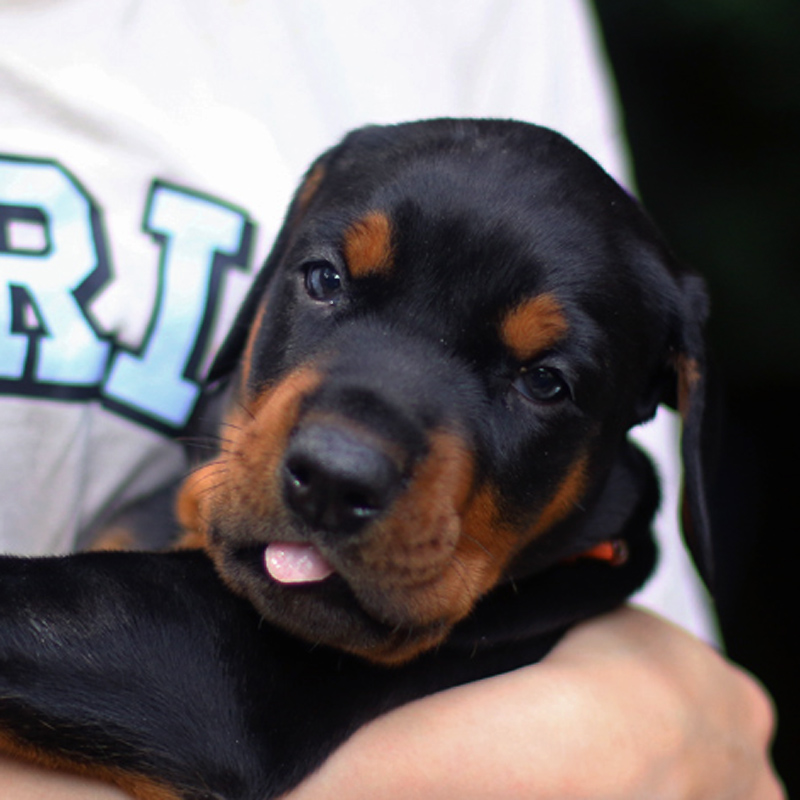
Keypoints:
(22, 781)
(626, 707)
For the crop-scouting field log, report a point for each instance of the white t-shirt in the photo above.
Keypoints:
(148, 149)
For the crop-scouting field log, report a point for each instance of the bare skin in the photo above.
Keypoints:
(675, 721)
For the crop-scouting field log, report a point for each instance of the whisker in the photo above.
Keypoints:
(212, 446)
(480, 544)
(212, 469)
(206, 438)
(246, 410)
(209, 489)
(462, 571)
(233, 425)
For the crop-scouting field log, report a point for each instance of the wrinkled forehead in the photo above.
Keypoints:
(472, 226)
(444, 217)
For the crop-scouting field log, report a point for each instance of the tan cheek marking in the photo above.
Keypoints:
(413, 549)
(484, 541)
(368, 245)
(490, 543)
(137, 786)
(533, 327)
(241, 481)
(566, 498)
(445, 479)
(446, 583)
(472, 546)
(487, 543)
(423, 525)
(192, 501)
(258, 447)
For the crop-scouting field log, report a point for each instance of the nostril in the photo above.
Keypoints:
(299, 474)
(336, 481)
(362, 503)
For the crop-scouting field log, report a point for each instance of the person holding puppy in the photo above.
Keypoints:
(139, 140)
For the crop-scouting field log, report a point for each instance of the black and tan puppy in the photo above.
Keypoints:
(424, 474)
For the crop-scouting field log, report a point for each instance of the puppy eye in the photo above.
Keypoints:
(323, 281)
(542, 384)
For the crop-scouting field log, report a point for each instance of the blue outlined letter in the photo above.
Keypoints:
(199, 237)
(51, 255)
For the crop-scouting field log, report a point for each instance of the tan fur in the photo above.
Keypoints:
(368, 245)
(533, 327)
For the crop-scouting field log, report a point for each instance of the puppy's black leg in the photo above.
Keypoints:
(143, 670)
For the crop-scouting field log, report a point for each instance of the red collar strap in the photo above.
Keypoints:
(614, 552)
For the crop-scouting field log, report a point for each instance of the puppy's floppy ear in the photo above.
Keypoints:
(232, 348)
(693, 398)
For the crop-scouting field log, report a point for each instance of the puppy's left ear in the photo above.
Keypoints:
(693, 397)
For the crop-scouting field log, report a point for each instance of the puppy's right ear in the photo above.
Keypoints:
(695, 399)
(229, 354)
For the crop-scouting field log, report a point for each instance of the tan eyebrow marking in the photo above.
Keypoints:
(533, 326)
(368, 245)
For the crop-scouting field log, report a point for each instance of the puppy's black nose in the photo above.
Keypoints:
(335, 480)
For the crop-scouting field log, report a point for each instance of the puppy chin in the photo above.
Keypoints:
(294, 587)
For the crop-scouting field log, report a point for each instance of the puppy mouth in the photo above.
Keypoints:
(283, 575)
(294, 585)
(293, 563)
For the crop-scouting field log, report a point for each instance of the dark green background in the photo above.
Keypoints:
(711, 96)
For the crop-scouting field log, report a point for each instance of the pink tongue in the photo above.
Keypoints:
(295, 563)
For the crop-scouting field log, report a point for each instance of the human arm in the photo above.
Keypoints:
(627, 706)
(23, 781)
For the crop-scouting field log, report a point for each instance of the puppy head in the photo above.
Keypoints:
(433, 377)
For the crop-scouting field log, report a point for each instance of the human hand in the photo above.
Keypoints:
(626, 706)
